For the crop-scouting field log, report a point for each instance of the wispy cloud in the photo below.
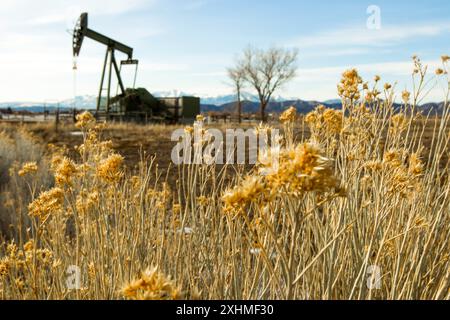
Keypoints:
(387, 35)
(320, 83)
(210, 74)
(45, 12)
(391, 69)
(340, 52)
(195, 4)
(163, 67)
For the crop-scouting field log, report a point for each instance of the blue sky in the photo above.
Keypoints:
(186, 45)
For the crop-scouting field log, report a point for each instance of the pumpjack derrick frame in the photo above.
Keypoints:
(81, 31)
(132, 103)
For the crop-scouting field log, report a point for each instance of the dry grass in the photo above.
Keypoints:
(16, 148)
(356, 195)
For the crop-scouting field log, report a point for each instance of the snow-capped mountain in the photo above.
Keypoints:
(90, 101)
(206, 98)
(208, 103)
(217, 100)
(80, 102)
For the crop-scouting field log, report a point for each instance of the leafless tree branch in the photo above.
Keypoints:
(267, 71)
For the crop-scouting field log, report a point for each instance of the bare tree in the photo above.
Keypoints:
(266, 71)
(236, 75)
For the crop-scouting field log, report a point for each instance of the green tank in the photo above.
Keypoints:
(137, 101)
(141, 104)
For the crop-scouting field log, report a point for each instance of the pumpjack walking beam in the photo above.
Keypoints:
(81, 30)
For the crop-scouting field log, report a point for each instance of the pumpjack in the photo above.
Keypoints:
(131, 103)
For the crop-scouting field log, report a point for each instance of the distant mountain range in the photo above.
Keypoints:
(274, 106)
(216, 100)
(304, 106)
(221, 103)
(90, 101)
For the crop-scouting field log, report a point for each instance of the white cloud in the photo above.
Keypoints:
(36, 51)
(195, 4)
(222, 74)
(340, 52)
(37, 48)
(50, 11)
(387, 35)
(391, 69)
(320, 83)
(163, 67)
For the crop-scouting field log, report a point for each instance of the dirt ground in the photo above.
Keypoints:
(132, 140)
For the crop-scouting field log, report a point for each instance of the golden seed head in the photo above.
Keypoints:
(109, 169)
(48, 202)
(324, 120)
(152, 285)
(85, 120)
(249, 190)
(406, 96)
(416, 166)
(29, 245)
(28, 168)
(398, 124)
(393, 157)
(64, 172)
(439, 71)
(349, 85)
(176, 208)
(289, 115)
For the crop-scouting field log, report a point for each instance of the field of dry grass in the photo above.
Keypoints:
(358, 208)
